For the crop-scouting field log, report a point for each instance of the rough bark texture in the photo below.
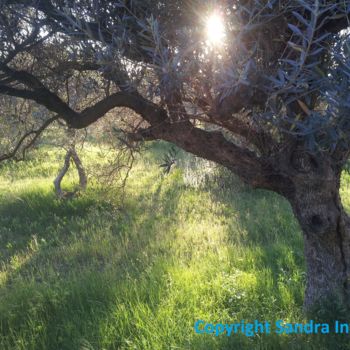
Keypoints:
(326, 232)
(326, 229)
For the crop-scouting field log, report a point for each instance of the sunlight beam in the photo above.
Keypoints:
(215, 29)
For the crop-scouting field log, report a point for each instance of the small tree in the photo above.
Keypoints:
(267, 96)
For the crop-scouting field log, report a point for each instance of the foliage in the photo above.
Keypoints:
(169, 160)
(287, 63)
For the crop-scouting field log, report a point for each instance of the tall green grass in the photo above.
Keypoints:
(97, 273)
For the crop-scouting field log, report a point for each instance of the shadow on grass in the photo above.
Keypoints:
(91, 261)
(264, 223)
(40, 214)
(100, 279)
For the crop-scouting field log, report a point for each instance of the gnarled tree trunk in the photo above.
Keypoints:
(326, 229)
(71, 154)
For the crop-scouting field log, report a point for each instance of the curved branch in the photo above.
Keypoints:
(42, 95)
(209, 145)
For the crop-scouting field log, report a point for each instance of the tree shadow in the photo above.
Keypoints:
(75, 282)
(263, 223)
(70, 282)
(36, 213)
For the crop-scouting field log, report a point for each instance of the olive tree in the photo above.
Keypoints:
(265, 93)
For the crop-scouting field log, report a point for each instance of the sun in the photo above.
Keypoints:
(215, 29)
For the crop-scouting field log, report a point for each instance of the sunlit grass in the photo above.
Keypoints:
(95, 273)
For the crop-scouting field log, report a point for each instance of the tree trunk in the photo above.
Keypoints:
(326, 229)
(71, 153)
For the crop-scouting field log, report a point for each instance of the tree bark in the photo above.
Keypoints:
(71, 153)
(326, 230)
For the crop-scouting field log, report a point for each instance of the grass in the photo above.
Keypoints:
(96, 273)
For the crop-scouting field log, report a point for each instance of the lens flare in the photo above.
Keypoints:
(215, 29)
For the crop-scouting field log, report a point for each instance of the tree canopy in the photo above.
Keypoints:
(267, 96)
(279, 77)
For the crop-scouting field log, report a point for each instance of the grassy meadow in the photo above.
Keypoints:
(106, 271)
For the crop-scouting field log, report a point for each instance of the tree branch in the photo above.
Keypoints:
(36, 134)
(210, 145)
